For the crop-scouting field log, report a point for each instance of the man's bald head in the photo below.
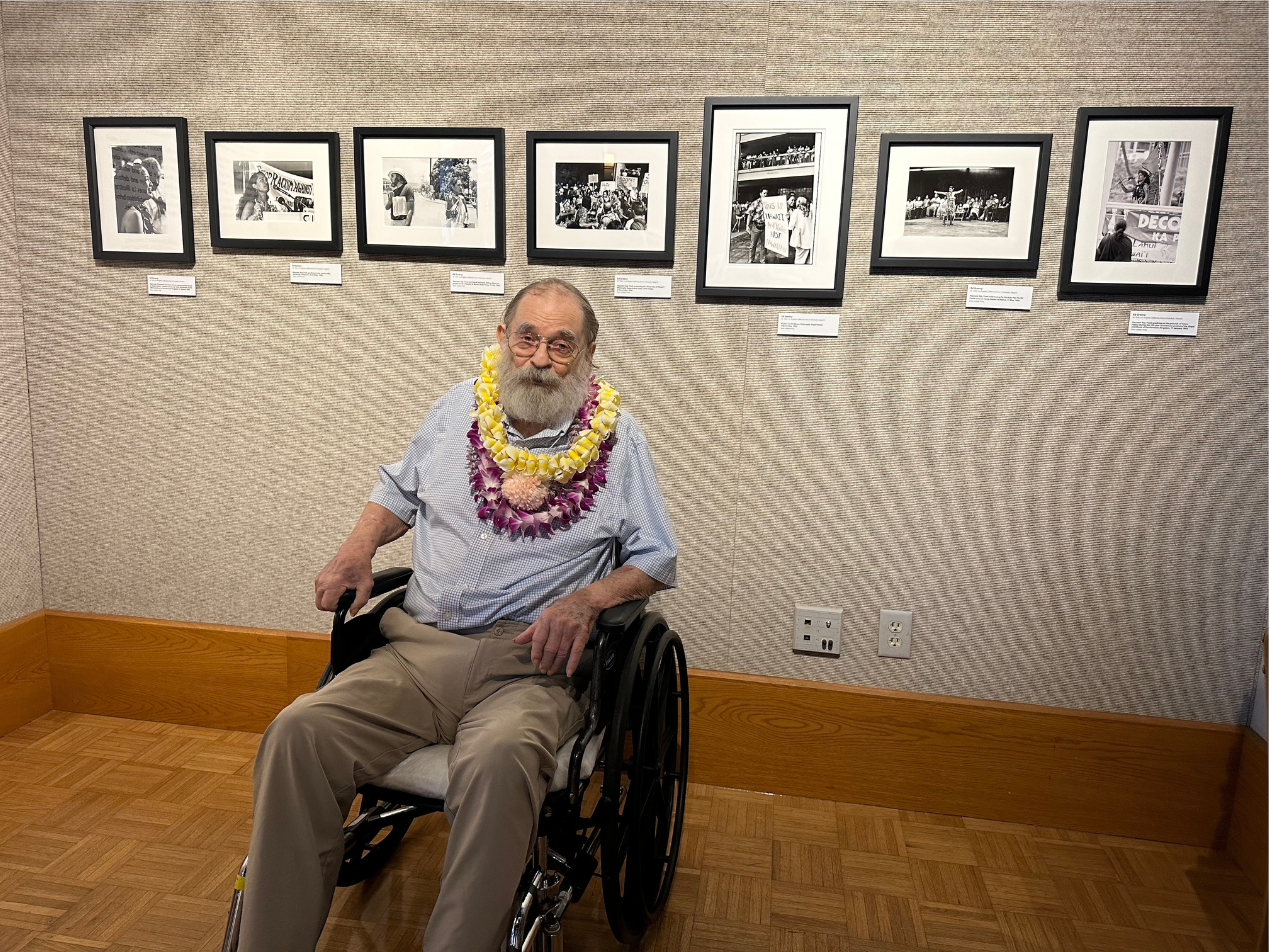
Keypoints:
(557, 286)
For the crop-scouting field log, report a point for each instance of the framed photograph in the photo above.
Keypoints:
(775, 196)
(960, 203)
(1144, 198)
(601, 195)
(430, 192)
(139, 199)
(275, 191)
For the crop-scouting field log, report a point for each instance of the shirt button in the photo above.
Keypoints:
(484, 535)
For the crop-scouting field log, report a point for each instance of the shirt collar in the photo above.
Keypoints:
(551, 434)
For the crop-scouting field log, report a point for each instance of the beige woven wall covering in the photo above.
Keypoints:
(19, 542)
(1076, 517)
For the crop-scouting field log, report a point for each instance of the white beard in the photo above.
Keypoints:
(541, 396)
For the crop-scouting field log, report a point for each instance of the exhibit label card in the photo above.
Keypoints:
(477, 282)
(316, 272)
(175, 285)
(999, 297)
(641, 286)
(1166, 323)
(808, 325)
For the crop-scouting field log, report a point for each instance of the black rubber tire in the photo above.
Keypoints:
(639, 842)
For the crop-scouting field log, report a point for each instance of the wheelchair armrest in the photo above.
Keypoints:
(352, 641)
(623, 615)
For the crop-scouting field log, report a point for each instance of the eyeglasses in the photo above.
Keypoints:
(525, 344)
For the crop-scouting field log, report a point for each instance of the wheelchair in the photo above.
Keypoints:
(633, 742)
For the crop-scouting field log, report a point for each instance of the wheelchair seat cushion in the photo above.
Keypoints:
(425, 773)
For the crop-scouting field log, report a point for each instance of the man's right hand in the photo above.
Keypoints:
(347, 570)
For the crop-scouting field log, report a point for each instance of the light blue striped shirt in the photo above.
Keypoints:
(467, 573)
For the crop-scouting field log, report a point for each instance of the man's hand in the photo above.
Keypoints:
(350, 568)
(560, 633)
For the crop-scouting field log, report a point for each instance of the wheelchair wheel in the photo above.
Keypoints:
(639, 846)
(370, 844)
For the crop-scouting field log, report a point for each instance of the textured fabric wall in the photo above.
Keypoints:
(19, 541)
(1075, 517)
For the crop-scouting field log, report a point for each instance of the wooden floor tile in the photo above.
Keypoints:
(692, 847)
(1036, 895)
(1076, 860)
(806, 821)
(144, 819)
(683, 894)
(721, 935)
(942, 844)
(1007, 852)
(106, 913)
(1098, 901)
(95, 858)
(32, 848)
(807, 863)
(742, 816)
(51, 942)
(1167, 911)
(962, 929)
(798, 907)
(1031, 933)
(794, 940)
(883, 918)
(747, 855)
(36, 904)
(875, 872)
(130, 780)
(177, 923)
(83, 812)
(953, 884)
(870, 834)
(738, 899)
(1152, 869)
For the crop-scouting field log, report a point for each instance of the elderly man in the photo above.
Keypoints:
(515, 517)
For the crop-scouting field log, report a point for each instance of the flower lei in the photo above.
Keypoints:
(529, 494)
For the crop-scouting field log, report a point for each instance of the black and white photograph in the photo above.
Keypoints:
(274, 191)
(962, 203)
(601, 195)
(775, 190)
(1144, 200)
(943, 201)
(429, 192)
(594, 195)
(271, 191)
(773, 204)
(140, 167)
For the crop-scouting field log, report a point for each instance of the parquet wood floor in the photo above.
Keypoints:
(125, 835)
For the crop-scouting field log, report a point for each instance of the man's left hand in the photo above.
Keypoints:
(560, 634)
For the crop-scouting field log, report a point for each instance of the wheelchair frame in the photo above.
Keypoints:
(638, 694)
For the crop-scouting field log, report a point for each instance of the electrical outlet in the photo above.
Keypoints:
(894, 634)
(817, 631)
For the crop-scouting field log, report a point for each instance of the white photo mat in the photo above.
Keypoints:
(1023, 159)
(105, 138)
(375, 151)
(833, 126)
(1202, 136)
(228, 152)
(656, 155)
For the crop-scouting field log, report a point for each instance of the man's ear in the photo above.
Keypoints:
(501, 333)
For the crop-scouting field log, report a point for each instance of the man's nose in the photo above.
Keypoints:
(541, 357)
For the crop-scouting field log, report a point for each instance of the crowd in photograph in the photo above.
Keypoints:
(589, 206)
(793, 155)
(977, 207)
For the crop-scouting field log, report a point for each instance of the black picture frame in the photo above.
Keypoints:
(1074, 276)
(708, 249)
(333, 245)
(366, 243)
(538, 246)
(103, 237)
(1005, 143)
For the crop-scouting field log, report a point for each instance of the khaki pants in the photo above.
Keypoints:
(480, 693)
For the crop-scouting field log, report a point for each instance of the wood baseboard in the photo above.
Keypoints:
(1152, 778)
(25, 687)
(1249, 820)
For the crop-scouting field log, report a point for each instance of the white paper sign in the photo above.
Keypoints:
(176, 285)
(808, 325)
(641, 286)
(1000, 297)
(316, 272)
(476, 282)
(1168, 323)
